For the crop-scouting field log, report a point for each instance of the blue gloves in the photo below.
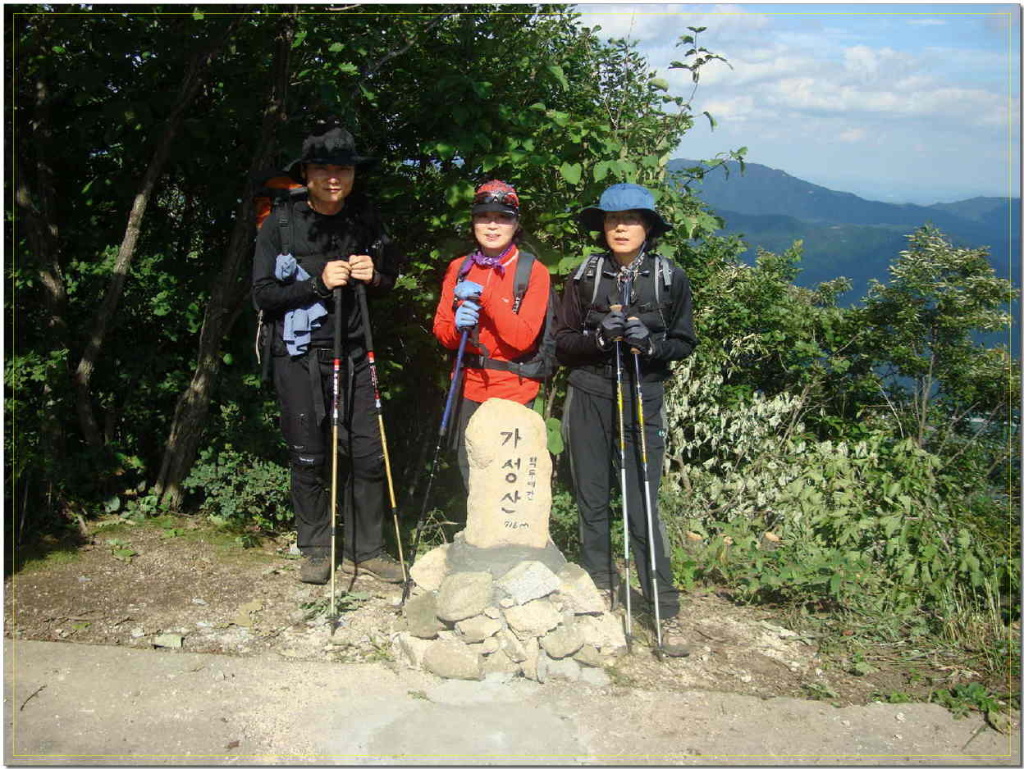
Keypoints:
(467, 315)
(638, 337)
(467, 289)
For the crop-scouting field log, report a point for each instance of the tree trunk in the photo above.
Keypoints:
(83, 373)
(34, 197)
(229, 290)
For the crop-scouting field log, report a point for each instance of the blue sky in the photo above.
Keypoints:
(909, 102)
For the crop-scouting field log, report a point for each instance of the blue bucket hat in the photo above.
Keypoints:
(624, 197)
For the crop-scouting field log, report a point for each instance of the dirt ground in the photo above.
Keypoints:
(186, 585)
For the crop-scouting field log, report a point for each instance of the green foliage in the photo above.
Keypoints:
(564, 523)
(790, 473)
(346, 601)
(963, 698)
(241, 488)
(921, 325)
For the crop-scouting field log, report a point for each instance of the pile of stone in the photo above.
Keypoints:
(513, 610)
(501, 598)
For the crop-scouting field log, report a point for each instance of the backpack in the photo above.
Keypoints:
(539, 364)
(590, 271)
(273, 191)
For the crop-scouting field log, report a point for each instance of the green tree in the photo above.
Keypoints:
(922, 336)
(103, 124)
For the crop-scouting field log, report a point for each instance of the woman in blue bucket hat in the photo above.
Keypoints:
(625, 315)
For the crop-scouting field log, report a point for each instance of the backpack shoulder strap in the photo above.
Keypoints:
(284, 224)
(584, 271)
(667, 267)
(524, 267)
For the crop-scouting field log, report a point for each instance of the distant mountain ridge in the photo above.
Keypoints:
(846, 235)
(767, 205)
(764, 190)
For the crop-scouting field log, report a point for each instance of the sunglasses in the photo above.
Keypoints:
(503, 198)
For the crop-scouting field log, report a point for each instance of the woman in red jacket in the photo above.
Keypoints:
(478, 298)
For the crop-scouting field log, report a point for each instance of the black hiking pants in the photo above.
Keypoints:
(305, 392)
(592, 436)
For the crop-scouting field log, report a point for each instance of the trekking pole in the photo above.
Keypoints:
(620, 409)
(335, 421)
(442, 431)
(647, 498)
(364, 310)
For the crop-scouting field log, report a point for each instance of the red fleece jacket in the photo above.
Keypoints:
(507, 335)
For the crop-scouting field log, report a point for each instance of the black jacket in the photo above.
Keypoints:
(670, 321)
(315, 240)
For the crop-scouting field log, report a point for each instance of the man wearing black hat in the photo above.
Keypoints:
(306, 250)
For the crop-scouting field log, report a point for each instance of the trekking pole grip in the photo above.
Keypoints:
(633, 350)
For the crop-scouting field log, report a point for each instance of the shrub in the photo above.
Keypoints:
(241, 488)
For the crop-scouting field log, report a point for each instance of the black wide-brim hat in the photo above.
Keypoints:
(624, 197)
(336, 147)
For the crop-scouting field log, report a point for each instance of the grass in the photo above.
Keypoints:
(42, 556)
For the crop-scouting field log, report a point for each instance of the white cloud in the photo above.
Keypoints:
(655, 24)
(810, 93)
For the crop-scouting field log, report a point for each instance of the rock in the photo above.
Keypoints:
(506, 603)
(509, 476)
(489, 645)
(464, 595)
(594, 676)
(512, 646)
(534, 619)
(410, 649)
(561, 642)
(421, 616)
(604, 632)
(588, 655)
(430, 568)
(476, 629)
(532, 656)
(169, 641)
(493, 612)
(499, 560)
(566, 670)
(579, 590)
(528, 581)
(501, 677)
(542, 667)
(450, 659)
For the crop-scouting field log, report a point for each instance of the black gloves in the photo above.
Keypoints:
(638, 338)
(612, 329)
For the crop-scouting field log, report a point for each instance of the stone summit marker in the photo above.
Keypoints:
(509, 476)
(500, 599)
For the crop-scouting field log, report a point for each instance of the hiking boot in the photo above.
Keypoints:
(672, 638)
(316, 569)
(382, 567)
